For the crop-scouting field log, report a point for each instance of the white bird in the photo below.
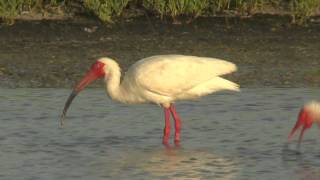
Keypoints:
(162, 80)
(309, 114)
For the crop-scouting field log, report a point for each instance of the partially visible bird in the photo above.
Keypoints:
(162, 80)
(309, 114)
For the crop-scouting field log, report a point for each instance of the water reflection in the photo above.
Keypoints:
(225, 136)
(295, 157)
(177, 163)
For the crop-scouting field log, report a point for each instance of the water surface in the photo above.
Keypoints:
(224, 136)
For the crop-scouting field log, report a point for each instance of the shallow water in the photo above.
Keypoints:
(224, 136)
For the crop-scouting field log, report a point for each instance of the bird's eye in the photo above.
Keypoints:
(96, 66)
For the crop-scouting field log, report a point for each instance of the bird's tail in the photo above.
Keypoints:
(213, 85)
(224, 84)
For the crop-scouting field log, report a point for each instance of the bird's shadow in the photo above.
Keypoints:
(172, 149)
(302, 164)
(296, 153)
(289, 154)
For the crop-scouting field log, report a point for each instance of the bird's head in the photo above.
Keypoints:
(96, 71)
(309, 114)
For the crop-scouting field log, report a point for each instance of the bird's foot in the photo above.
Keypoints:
(165, 140)
(177, 143)
(166, 135)
(176, 138)
(166, 145)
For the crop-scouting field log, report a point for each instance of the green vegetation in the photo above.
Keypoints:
(249, 6)
(174, 8)
(303, 9)
(10, 9)
(106, 10)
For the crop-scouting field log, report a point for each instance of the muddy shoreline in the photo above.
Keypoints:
(56, 53)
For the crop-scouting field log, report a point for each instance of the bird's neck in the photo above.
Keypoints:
(117, 90)
(113, 86)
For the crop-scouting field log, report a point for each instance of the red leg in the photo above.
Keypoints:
(166, 131)
(177, 122)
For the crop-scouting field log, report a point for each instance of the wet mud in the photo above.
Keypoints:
(268, 51)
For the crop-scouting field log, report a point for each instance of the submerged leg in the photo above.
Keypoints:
(166, 131)
(177, 123)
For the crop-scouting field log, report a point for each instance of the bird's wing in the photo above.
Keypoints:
(175, 74)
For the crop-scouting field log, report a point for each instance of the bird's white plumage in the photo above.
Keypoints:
(313, 106)
(163, 79)
(313, 109)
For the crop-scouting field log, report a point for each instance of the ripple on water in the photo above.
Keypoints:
(224, 136)
(185, 164)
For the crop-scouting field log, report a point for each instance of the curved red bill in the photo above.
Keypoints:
(304, 120)
(95, 73)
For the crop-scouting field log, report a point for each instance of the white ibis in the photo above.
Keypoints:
(309, 114)
(162, 80)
